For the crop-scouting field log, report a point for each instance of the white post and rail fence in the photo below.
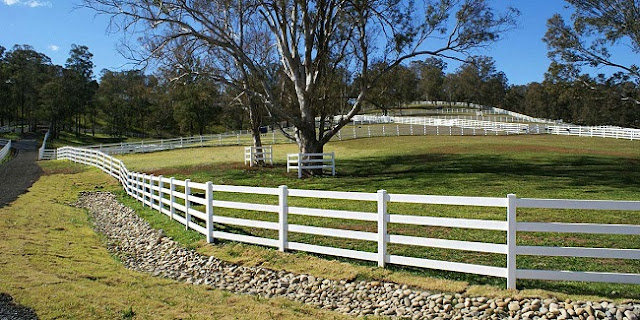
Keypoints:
(5, 150)
(43, 152)
(177, 199)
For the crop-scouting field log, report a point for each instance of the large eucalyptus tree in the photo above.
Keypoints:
(308, 41)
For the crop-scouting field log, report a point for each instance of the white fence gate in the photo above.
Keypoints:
(255, 155)
(310, 161)
(162, 194)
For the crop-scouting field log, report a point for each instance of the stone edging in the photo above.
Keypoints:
(144, 249)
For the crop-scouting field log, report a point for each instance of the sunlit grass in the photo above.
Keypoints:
(52, 261)
(529, 166)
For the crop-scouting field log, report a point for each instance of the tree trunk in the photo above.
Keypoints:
(308, 143)
(255, 124)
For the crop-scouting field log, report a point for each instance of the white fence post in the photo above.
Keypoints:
(151, 194)
(139, 187)
(283, 214)
(333, 163)
(299, 165)
(187, 205)
(209, 211)
(172, 197)
(383, 218)
(160, 194)
(511, 241)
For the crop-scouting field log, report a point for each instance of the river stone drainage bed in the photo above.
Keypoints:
(145, 249)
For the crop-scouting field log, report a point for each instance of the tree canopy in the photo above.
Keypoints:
(313, 40)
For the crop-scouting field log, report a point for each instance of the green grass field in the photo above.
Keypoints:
(529, 166)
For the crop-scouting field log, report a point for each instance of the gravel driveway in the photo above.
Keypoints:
(21, 171)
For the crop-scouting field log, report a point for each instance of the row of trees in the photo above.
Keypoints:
(132, 102)
(33, 89)
(303, 62)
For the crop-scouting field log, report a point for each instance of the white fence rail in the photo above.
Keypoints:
(177, 199)
(490, 126)
(6, 149)
(309, 161)
(242, 137)
(256, 155)
(598, 131)
(491, 110)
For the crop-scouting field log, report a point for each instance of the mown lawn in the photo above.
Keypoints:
(52, 261)
(529, 166)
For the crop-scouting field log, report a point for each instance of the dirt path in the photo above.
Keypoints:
(16, 176)
(21, 171)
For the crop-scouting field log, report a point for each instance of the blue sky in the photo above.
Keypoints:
(51, 26)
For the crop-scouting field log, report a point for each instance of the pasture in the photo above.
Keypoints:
(529, 166)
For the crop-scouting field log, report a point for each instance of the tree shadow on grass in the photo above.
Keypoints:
(565, 171)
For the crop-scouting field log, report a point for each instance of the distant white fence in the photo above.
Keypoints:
(598, 131)
(43, 152)
(5, 129)
(489, 126)
(176, 199)
(491, 110)
(309, 161)
(256, 155)
(6, 149)
(242, 137)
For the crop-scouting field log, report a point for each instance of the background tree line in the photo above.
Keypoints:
(130, 102)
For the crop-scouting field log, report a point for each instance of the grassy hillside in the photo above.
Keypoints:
(530, 166)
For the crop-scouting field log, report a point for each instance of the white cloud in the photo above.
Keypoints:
(36, 3)
(28, 3)
(53, 47)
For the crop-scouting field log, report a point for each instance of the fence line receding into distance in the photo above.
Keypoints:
(179, 200)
